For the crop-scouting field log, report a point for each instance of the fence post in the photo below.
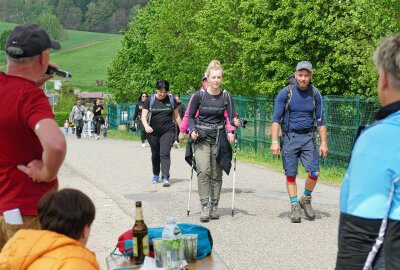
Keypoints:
(255, 125)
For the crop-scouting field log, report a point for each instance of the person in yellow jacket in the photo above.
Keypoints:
(65, 217)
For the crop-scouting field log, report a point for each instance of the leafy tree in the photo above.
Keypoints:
(3, 39)
(50, 23)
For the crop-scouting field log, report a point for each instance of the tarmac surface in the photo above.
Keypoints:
(116, 173)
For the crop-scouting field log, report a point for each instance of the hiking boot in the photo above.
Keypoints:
(305, 203)
(205, 213)
(295, 213)
(165, 181)
(214, 211)
(155, 179)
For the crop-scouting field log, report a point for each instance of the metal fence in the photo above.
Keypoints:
(344, 115)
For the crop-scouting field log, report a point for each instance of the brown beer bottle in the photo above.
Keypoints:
(140, 236)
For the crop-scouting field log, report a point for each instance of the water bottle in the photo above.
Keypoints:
(171, 230)
(173, 244)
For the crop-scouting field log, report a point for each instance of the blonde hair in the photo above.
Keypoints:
(214, 65)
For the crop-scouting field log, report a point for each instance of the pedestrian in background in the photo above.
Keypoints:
(137, 117)
(32, 146)
(97, 118)
(65, 218)
(77, 114)
(105, 127)
(299, 108)
(66, 126)
(369, 226)
(181, 110)
(159, 115)
(212, 149)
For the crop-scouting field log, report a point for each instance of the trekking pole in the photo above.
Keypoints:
(190, 182)
(234, 174)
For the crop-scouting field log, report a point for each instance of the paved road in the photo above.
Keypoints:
(115, 173)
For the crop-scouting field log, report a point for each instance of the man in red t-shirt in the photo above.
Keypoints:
(32, 146)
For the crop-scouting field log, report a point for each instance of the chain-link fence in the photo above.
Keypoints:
(344, 115)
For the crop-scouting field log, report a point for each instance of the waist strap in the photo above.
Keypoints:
(210, 126)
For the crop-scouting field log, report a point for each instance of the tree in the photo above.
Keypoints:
(50, 23)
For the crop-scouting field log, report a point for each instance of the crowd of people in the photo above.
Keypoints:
(86, 120)
(54, 222)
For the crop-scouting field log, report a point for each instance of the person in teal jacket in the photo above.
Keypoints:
(369, 227)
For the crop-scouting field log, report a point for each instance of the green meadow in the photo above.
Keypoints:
(86, 55)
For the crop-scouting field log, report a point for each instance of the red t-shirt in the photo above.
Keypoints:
(22, 105)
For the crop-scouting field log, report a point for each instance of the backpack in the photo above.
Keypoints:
(224, 93)
(289, 93)
(204, 241)
(153, 98)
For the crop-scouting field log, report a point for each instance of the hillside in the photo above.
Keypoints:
(86, 55)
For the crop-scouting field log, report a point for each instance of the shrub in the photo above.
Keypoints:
(61, 117)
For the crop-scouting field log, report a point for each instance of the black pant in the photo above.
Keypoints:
(161, 152)
(142, 131)
(97, 124)
(79, 127)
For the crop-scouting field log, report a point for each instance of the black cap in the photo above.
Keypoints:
(27, 40)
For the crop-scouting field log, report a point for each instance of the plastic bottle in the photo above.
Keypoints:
(171, 230)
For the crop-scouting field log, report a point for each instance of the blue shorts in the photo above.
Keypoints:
(301, 146)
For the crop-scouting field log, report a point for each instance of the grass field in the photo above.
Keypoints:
(86, 55)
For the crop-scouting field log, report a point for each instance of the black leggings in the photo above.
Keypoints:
(142, 131)
(161, 152)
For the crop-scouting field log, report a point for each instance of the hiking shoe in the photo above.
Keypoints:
(155, 179)
(295, 213)
(305, 203)
(214, 212)
(205, 213)
(176, 144)
(165, 181)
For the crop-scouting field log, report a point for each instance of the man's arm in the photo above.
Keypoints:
(323, 149)
(54, 150)
(275, 146)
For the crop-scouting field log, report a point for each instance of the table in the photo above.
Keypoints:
(212, 262)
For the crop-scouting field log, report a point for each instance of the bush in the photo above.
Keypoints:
(61, 117)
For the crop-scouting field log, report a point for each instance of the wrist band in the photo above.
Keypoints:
(275, 142)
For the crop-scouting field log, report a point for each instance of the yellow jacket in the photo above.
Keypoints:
(45, 250)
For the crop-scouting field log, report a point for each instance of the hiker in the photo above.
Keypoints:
(158, 115)
(299, 108)
(137, 117)
(212, 149)
(77, 115)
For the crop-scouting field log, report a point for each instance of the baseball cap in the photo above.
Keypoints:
(27, 40)
(304, 65)
(204, 77)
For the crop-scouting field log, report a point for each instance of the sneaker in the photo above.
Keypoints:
(84, 135)
(295, 213)
(214, 211)
(165, 181)
(205, 213)
(155, 179)
(143, 145)
(176, 144)
(305, 203)
(97, 137)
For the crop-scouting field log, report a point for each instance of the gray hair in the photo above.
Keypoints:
(21, 60)
(387, 57)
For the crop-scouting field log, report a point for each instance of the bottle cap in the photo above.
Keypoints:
(170, 220)
(138, 204)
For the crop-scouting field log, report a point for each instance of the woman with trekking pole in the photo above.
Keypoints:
(212, 149)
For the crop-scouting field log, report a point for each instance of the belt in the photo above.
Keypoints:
(302, 131)
(210, 127)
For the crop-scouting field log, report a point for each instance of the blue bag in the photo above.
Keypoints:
(204, 241)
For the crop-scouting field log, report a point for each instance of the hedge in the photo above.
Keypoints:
(61, 117)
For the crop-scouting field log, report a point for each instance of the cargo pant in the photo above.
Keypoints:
(209, 173)
(8, 230)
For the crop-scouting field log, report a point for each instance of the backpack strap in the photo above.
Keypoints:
(289, 94)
